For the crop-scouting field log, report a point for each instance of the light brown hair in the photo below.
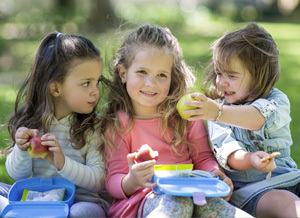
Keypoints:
(257, 51)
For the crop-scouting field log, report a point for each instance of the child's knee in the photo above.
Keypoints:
(215, 207)
(173, 206)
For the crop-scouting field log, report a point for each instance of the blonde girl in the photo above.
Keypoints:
(149, 77)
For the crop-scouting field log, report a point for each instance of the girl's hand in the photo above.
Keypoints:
(23, 135)
(139, 175)
(226, 179)
(207, 109)
(55, 155)
(265, 166)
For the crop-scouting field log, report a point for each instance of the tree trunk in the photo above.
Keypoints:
(102, 16)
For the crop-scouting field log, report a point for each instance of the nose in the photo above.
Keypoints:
(222, 81)
(149, 81)
(95, 90)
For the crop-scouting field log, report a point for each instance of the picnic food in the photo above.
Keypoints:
(274, 154)
(181, 107)
(36, 149)
(145, 153)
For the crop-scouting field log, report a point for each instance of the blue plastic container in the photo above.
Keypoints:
(55, 209)
(196, 187)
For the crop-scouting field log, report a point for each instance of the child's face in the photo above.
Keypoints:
(148, 80)
(79, 92)
(235, 83)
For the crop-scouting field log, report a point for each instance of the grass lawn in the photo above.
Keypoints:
(195, 45)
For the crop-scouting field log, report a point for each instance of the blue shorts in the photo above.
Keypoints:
(250, 207)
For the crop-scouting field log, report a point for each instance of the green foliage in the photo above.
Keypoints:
(149, 12)
(195, 43)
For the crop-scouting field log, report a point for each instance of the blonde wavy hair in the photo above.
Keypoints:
(182, 80)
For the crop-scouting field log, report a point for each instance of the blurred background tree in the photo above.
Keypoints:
(196, 24)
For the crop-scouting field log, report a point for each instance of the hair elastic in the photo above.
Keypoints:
(58, 34)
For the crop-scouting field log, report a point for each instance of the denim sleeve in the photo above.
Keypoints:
(223, 142)
(276, 110)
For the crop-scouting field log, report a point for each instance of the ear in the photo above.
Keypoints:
(122, 73)
(55, 89)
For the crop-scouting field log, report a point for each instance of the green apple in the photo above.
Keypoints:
(181, 107)
(36, 149)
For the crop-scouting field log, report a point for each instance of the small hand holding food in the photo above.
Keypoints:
(55, 155)
(197, 106)
(182, 106)
(139, 175)
(263, 164)
(23, 135)
(39, 147)
(226, 179)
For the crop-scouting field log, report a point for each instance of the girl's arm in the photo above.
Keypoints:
(18, 164)
(243, 160)
(138, 176)
(233, 154)
(124, 177)
(244, 116)
(90, 175)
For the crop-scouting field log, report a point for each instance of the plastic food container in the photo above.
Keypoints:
(171, 170)
(55, 209)
(196, 184)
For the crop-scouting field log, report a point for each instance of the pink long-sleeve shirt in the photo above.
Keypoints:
(148, 132)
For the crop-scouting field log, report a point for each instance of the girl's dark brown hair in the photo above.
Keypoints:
(34, 106)
(257, 51)
(182, 80)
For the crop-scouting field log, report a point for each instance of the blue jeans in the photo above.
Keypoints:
(250, 207)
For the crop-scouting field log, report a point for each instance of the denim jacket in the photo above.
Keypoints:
(273, 136)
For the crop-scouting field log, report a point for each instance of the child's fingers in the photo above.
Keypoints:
(130, 158)
(50, 140)
(150, 185)
(199, 96)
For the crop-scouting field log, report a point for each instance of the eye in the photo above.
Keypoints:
(86, 84)
(142, 72)
(218, 73)
(162, 75)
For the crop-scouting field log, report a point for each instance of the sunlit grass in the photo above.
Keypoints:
(195, 44)
(8, 93)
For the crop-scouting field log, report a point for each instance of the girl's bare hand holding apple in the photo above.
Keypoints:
(23, 135)
(55, 155)
(139, 175)
(207, 109)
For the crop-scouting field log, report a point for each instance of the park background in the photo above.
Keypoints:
(196, 24)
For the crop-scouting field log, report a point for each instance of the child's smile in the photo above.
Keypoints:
(235, 84)
(148, 80)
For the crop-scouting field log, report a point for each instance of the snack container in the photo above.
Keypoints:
(172, 170)
(55, 209)
(197, 184)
